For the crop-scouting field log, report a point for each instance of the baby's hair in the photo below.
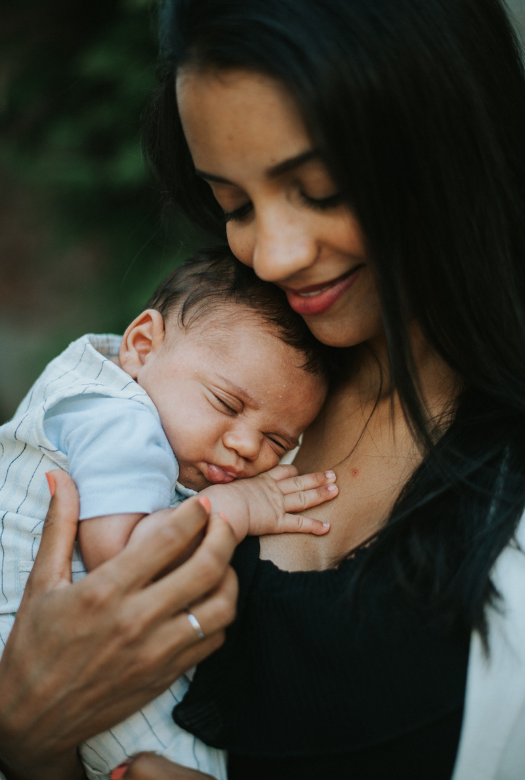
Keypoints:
(214, 278)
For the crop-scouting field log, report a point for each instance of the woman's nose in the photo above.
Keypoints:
(283, 245)
(245, 442)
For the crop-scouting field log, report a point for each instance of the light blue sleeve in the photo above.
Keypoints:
(119, 456)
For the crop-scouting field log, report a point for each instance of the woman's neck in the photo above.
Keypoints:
(363, 435)
(437, 384)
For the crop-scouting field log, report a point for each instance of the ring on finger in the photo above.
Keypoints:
(194, 623)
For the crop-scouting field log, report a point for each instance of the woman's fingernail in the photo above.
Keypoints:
(326, 525)
(205, 502)
(51, 484)
(331, 488)
(329, 474)
(120, 770)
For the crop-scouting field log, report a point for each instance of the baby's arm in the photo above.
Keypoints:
(100, 538)
(121, 462)
(260, 505)
(267, 504)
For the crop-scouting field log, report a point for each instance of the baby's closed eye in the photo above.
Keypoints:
(281, 446)
(225, 406)
(224, 402)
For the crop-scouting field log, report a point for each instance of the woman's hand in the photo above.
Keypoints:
(82, 657)
(148, 766)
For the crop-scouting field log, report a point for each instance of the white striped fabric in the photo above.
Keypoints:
(26, 455)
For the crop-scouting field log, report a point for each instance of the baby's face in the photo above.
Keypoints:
(231, 396)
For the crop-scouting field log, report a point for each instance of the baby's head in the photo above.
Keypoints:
(235, 374)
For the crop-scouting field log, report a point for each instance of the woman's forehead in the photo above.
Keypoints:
(238, 115)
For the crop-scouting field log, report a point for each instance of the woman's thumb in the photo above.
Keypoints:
(53, 561)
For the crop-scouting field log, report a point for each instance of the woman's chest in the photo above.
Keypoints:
(373, 458)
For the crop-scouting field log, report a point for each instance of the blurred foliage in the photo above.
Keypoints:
(82, 245)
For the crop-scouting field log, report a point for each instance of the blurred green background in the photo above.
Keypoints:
(82, 245)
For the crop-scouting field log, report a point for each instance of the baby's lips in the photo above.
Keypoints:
(217, 475)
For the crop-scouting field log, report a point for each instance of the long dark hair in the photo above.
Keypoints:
(418, 110)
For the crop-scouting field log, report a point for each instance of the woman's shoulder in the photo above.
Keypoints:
(494, 724)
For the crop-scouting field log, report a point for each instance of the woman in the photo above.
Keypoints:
(367, 157)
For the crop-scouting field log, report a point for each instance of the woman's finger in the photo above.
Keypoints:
(182, 644)
(149, 766)
(158, 540)
(193, 655)
(212, 613)
(199, 575)
(306, 482)
(306, 499)
(53, 561)
(215, 612)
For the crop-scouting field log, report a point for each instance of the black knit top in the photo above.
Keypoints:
(301, 690)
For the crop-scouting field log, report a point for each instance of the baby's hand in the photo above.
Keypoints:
(264, 504)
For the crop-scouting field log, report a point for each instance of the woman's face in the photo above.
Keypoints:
(284, 215)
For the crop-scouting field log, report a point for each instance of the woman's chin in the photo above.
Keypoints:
(336, 332)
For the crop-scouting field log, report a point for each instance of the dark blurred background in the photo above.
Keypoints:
(82, 245)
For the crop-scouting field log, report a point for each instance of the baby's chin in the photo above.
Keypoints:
(190, 476)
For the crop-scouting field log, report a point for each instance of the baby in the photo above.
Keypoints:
(206, 391)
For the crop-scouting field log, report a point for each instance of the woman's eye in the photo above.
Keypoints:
(323, 203)
(238, 214)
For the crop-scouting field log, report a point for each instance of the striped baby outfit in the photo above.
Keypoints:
(85, 369)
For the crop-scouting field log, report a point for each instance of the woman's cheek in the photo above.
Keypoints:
(241, 243)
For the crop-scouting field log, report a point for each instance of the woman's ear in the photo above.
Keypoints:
(142, 339)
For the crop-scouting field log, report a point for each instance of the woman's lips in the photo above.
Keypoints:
(318, 298)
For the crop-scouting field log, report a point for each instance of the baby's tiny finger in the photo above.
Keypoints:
(282, 471)
(307, 482)
(297, 524)
(305, 499)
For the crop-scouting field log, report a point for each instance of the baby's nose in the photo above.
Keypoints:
(246, 443)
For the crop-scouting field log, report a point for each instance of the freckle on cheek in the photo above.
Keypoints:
(354, 472)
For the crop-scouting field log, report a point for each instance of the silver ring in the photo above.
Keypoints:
(196, 625)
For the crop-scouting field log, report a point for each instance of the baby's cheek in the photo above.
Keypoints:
(271, 459)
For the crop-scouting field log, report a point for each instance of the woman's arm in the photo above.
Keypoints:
(82, 657)
(148, 766)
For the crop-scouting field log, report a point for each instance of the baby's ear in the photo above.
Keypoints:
(142, 338)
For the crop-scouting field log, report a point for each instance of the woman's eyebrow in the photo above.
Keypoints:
(276, 170)
(293, 162)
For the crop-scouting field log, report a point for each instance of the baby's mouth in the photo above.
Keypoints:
(216, 474)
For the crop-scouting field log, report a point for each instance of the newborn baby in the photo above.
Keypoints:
(206, 391)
